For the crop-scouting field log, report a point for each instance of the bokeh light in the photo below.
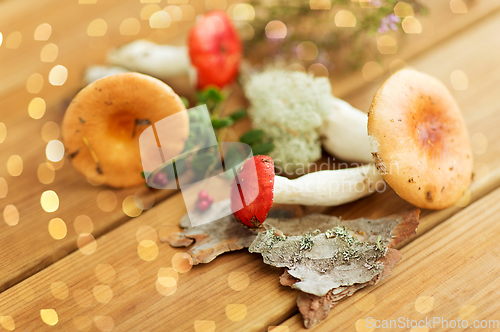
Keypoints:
(403, 9)
(345, 19)
(238, 281)
(204, 326)
(59, 290)
(146, 233)
(411, 25)
(97, 28)
(58, 75)
(102, 293)
(57, 228)
(11, 215)
(86, 243)
(54, 150)
(105, 273)
(236, 312)
(49, 53)
(149, 10)
(147, 250)
(132, 206)
(387, 44)
(8, 323)
(104, 323)
(130, 27)
(318, 70)
(307, 51)
(36, 108)
(50, 131)
(46, 173)
(13, 40)
(15, 165)
(49, 316)
(160, 20)
(34, 84)
(459, 80)
(182, 262)
(83, 225)
(49, 201)
(424, 304)
(276, 30)
(106, 200)
(43, 32)
(166, 286)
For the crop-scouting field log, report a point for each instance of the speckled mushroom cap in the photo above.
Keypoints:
(102, 125)
(419, 140)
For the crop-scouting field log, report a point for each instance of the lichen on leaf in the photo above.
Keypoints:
(341, 256)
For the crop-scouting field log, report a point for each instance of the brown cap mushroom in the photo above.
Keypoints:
(419, 138)
(102, 125)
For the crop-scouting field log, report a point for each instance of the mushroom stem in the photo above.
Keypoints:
(161, 61)
(344, 133)
(328, 188)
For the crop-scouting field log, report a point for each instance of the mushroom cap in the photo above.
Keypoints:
(254, 184)
(105, 119)
(419, 139)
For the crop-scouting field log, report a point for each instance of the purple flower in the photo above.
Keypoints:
(388, 22)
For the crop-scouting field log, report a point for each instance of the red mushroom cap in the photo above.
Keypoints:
(255, 183)
(215, 50)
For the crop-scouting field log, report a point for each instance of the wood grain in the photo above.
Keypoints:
(202, 293)
(76, 51)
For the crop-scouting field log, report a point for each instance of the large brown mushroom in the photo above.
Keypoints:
(102, 125)
(419, 138)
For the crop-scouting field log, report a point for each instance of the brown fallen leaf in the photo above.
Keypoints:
(336, 259)
(213, 238)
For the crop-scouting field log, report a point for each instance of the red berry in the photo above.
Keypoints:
(210, 199)
(203, 194)
(203, 205)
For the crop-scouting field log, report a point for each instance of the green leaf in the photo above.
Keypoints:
(222, 122)
(143, 176)
(185, 101)
(262, 148)
(252, 136)
(239, 114)
(210, 94)
(201, 162)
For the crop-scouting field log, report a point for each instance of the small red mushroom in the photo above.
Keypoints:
(215, 50)
(253, 214)
(256, 188)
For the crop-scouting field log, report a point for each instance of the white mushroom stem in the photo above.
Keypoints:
(328, 188)
(344, 133)
(161, 61)
(94, 73)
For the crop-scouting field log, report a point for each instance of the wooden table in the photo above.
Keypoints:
(449, 270)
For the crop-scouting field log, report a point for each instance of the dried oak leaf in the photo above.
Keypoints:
(213, 238)
(328, 258)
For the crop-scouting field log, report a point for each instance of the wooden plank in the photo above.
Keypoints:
(131, 303)
(76, 51)
(203, 293)
(449, 273)
(69, 21)
(439, 26)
